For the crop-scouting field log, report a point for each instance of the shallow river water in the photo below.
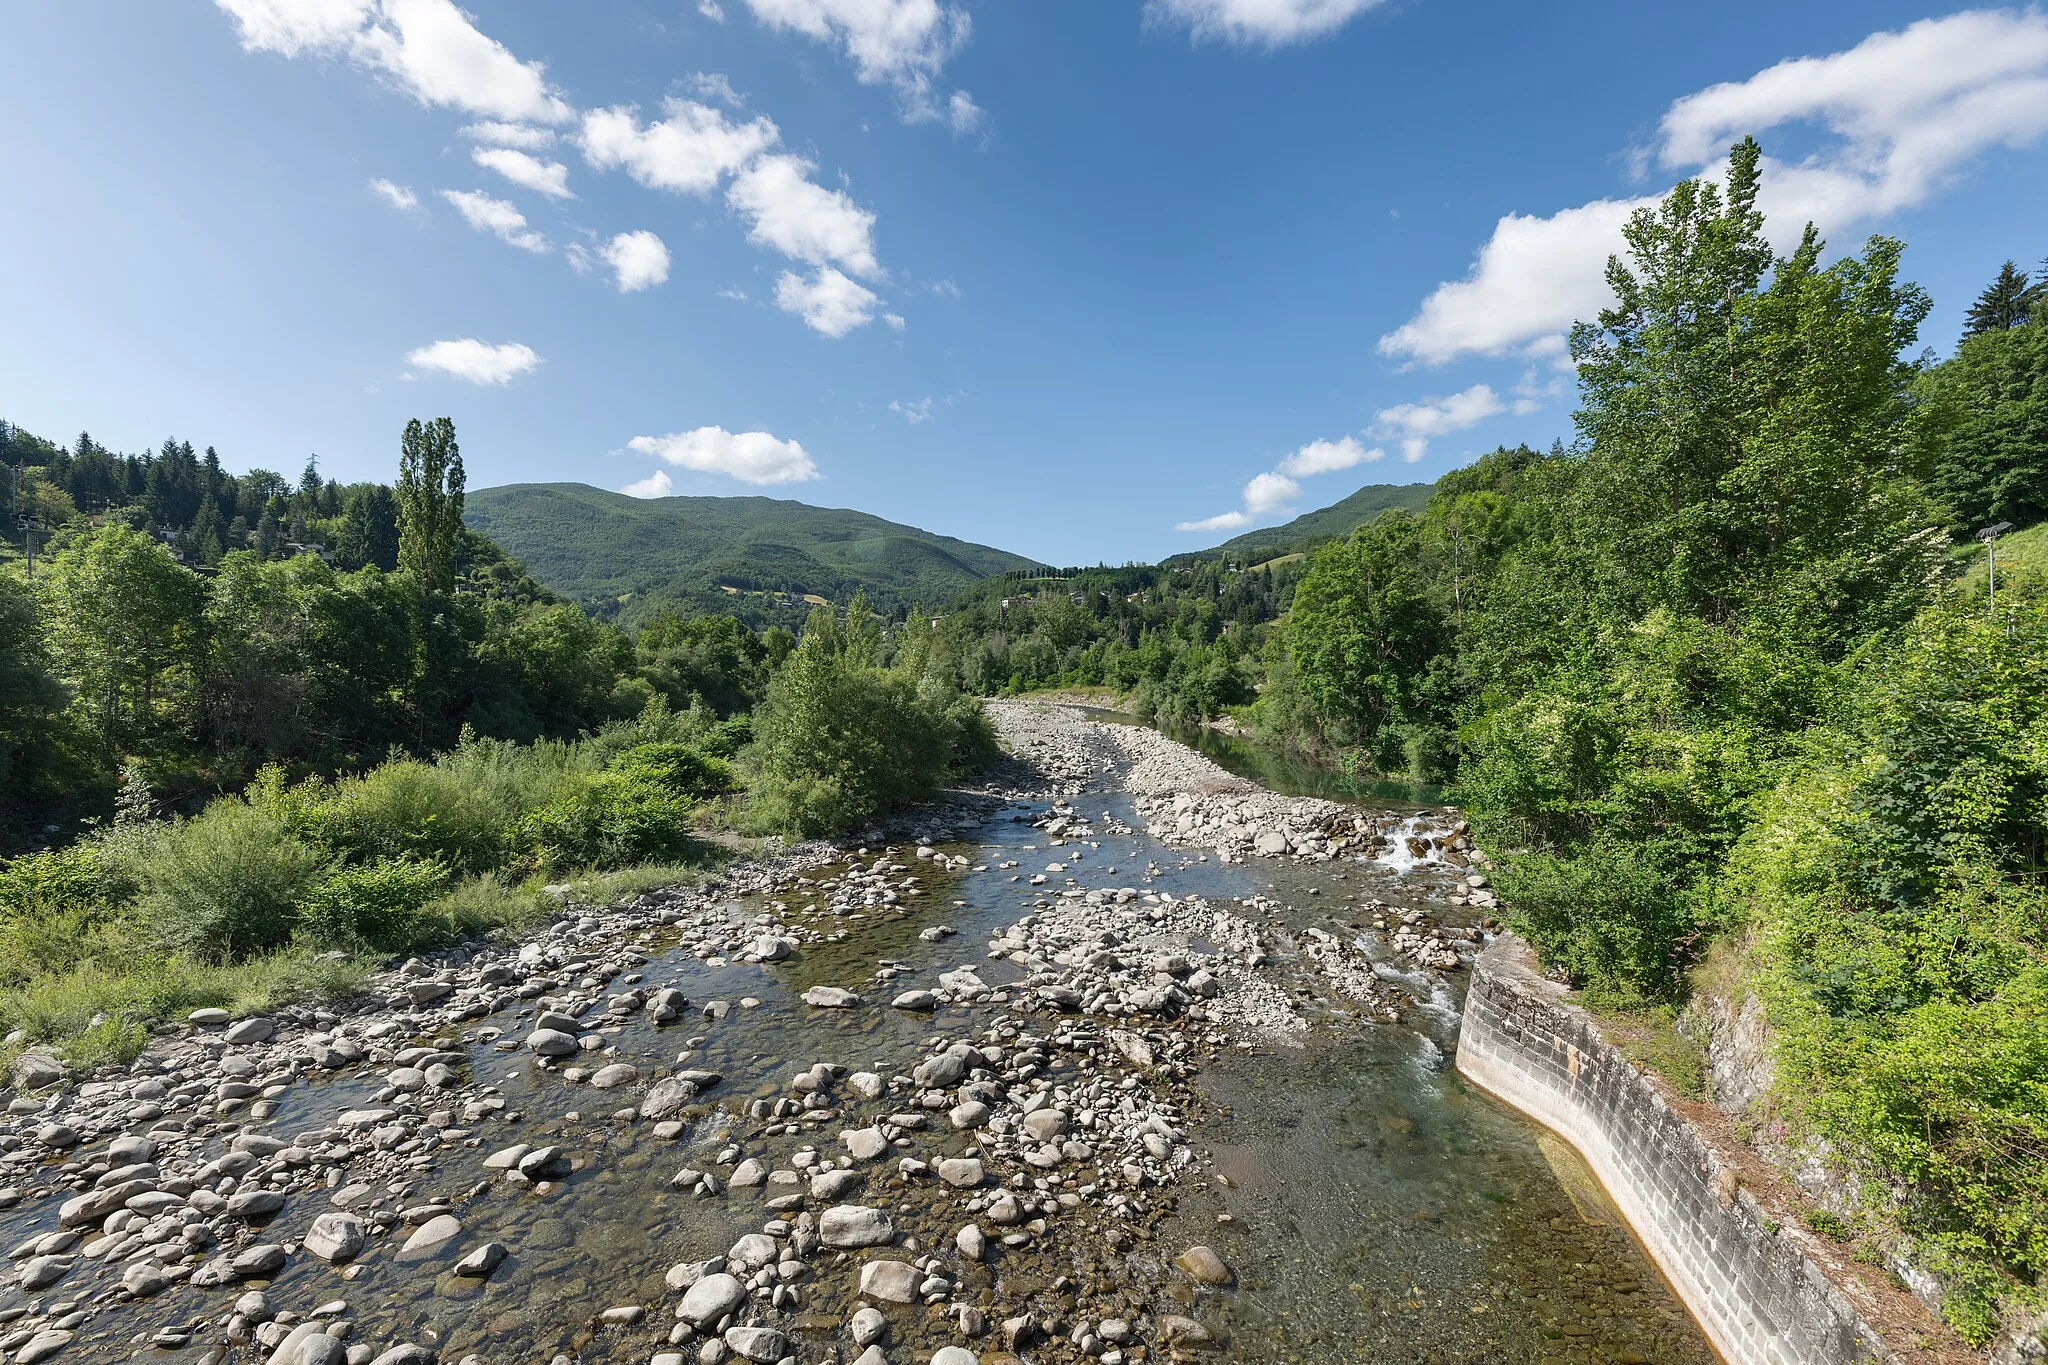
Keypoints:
(1372, 1207)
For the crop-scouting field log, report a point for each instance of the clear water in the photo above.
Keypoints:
(1375, 1209)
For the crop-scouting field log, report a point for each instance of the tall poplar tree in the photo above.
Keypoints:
(430, 483)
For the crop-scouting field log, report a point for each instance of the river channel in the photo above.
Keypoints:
(1369, 1205)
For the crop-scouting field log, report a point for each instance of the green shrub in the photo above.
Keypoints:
(677, 766)
(461, 810)
(375, 903)
(608, 819)
(483, 904)
(225, 883)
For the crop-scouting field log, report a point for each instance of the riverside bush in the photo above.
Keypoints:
(376, 904)
(839, 740)
(226, 883)
(606, 820)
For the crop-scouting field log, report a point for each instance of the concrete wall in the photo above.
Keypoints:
(1758, 1297)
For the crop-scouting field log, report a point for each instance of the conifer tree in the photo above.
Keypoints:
(2002, 306)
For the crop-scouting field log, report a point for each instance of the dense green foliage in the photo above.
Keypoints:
(308, 767)
(752, 557)
(840, 739)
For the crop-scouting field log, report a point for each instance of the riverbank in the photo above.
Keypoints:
(1013, 1079)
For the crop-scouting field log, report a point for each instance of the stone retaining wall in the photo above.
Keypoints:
(1759, 1298)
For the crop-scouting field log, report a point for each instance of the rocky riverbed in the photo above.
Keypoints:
(1115, 1058)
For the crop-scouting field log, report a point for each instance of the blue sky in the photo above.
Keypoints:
(1085, 279)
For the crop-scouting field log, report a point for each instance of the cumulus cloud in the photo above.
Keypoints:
(713, 86)
(399, 197)
(750, 456)
(478, 362)
(1258, 23)
(1222, 521)
(426, 48)
(1419, 423)
(786, 210)
(1327, 457)
(904, 44)
(500, 134)
(496, 216)
(1905, 113)
(711, 10)
(1269, 493)
(639, 260)
(655, 485)
(688, 152)
(1275, 491)
(550, 178)
(827, 301)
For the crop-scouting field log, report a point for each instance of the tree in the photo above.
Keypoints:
(1988, 417)
(1743, 433)
(1363, 630)
(30, 696)
(369, 529)
(123, 621)
(429, 494)
(2006, 303)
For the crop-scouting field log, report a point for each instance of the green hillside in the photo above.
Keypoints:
(754, 557)
(1327, 523)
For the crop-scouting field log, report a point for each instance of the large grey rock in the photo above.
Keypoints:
(481, 1262)
(868, 1326)
(549, 1042)
(406, 1353)
(830, 998)
(431, 1238)
(711, 1298)
(334, 1237)
(40, 1272)
(666, 1098)
(38, 1071)
(252, 1030)
(836, 1184)
(613, 1076)
(864, 1144)
(955, 1355)
(41, 1347)
(1204, 1266)
(847, 1226)
(961, 1172)
(255, 1203)
(763, 1344)
(891, 1281)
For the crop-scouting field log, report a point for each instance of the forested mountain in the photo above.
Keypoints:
(754, 557)
(1325, 523)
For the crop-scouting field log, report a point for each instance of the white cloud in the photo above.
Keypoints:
(1326, 457)
(895, 321)
(1532, 279)
(904, 44)
(916, 412)
(1418, 423)
(290, 27)
(828, 301)
(427, 48)
(398, 196)
(1222, 521)
(638, 260)
(945, 289)
(499, 134)
(1906, 112)
(750, 456)
(737, 295)
(550, 178)
(496, 216)
(711, 10)
(655, 485)
(478, 362)
(713, 86)
(689, 152)
(1269, 493)
(784, 209)
(1259, 23)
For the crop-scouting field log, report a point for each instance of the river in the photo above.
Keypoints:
(1370, 1206)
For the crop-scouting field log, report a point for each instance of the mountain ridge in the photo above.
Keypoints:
(748, 554)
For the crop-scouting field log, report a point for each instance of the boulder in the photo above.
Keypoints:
(848, 1226)
(334, 1237)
